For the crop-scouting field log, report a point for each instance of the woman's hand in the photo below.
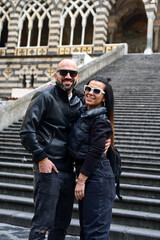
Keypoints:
(107, 144)
(80, 187)
(80, 190)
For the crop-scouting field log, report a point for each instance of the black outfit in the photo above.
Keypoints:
(44, 133)
(86, 146)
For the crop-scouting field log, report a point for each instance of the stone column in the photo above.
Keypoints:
(156, 33)
(151, 17)
(111, 34)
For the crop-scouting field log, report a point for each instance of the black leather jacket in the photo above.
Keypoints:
(46, 125)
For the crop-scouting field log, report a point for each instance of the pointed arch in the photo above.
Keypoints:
(74, 20)
(34, 21)
(4, 20)
(128, 23)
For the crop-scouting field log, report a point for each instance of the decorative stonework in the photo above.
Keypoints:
(69, 50)
(50, 72)
(110, 47)
(15, 2)
(2, 52)
(8, 72)
(31, 51)
(42, 51)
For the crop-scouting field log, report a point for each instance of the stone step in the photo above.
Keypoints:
(13, 129)
(117, 231)
(138, 204)
(141, 179)
(10, 132)
(139, 191)
(18, 218)
(24, 168)
(140, 101)
(133, 157)
(143, 164)
(146, 219)
(10, 140)
(16, 190)
(14, 149)
(137, 105)
(16, 178)
(119, 124)
(140, 111)
(17, 203)
(132, 145)
(136, 218)
(131, 218)
(152, 142)
(16, 159)
(11, 144)
(141, 135)
(132, 131)
(9, 136)
(135, 119)
(151, 171)
(14, 154)
(129, 112)
(138, 152)
(138, 125)
(123, 232)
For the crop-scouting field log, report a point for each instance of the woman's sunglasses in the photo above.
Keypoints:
(96, 91)
(64, 72)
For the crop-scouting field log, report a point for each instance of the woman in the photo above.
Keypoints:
(95, 188)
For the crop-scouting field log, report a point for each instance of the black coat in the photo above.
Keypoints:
(88, 136)
(46, 125)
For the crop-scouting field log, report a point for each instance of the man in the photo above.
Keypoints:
(44, 133)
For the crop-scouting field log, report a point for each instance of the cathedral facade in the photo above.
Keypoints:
(36, 34)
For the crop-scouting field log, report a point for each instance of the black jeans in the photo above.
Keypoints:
(54, 195)
(96, 207)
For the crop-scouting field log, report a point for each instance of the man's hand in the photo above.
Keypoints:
(107, 144)
(46, 166)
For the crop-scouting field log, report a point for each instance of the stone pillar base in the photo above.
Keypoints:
(148, 51)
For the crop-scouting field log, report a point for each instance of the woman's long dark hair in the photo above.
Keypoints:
(109, 101)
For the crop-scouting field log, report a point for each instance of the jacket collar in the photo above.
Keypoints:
(62, 93)
(93, 112)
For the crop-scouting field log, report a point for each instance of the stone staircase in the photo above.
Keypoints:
(136, 84)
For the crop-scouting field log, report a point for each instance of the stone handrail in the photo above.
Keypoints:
(11, 111)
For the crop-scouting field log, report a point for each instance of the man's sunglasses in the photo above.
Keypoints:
(64, 72)
(96, 91)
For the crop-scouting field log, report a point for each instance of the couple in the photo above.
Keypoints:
(59, 129)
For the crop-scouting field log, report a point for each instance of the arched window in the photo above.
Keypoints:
(34, 24)
(4, 19)
(77, 22)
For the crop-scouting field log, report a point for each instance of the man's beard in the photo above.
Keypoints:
(67, 89)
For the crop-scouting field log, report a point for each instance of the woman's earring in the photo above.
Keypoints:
(104, 104)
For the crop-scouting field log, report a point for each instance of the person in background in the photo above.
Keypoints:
(95, 188)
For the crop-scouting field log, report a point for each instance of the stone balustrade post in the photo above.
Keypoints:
(156, 35)
(151, 17)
